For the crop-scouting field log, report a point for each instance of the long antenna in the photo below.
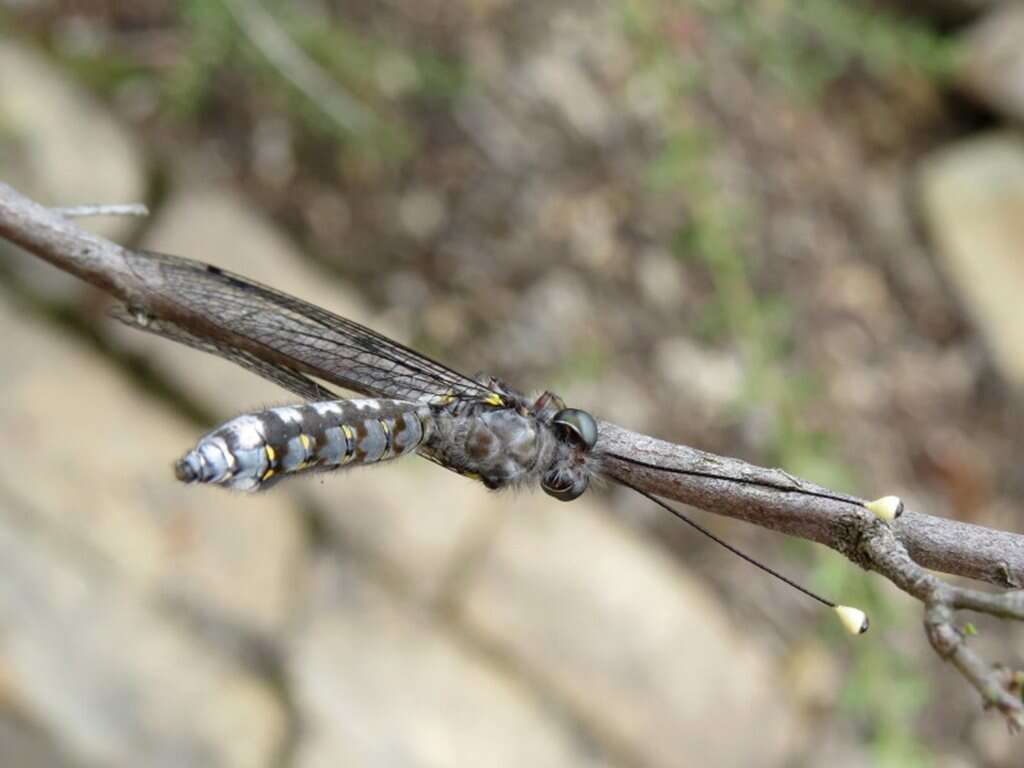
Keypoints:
(854, 620)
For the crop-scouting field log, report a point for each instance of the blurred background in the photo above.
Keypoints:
(784, 230)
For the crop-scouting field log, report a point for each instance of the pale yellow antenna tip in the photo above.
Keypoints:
(887, 508)
(854, 620)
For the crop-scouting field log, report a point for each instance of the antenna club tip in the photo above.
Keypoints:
(854, 620)
(887, 508)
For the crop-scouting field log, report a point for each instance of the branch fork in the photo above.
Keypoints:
(999, 686)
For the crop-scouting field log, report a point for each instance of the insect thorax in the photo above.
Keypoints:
(500, 446)
(503, 446)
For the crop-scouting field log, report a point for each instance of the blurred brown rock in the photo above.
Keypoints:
(93, 468)
(637, 646)
(972, 197)
(60, 147)
(112, 679)
(377, 684)
(93, 538)
(993, 60)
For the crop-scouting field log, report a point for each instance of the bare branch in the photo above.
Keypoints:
(85, 211)
(998, 686)
(54, 238)
(901, 551)
(775, 499)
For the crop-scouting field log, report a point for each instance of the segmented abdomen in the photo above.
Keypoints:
(252, 451)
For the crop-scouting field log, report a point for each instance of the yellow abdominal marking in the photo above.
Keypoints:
(271, 454)
(494, 399)
(387, 437)
(267, 475)
(350, 446)
(308, 442)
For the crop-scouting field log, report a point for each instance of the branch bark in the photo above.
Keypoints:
(772, 498)
(901, 551)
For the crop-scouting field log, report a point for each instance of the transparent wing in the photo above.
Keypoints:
(245, 322)
(291, 380)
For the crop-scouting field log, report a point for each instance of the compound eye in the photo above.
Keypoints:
(563, 488)
(579, 423)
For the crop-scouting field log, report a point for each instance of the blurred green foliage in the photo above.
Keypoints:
(804, 45)
(800, 46)
(383, 81)
(211, 42)
(886, 688)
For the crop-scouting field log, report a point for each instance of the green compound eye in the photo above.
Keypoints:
(580, 428)
(563, 488)
(579, 423)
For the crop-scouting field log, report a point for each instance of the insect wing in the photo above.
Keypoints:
(208, 303)
(281, 375)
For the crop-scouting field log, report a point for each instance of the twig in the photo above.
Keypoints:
(771, 498)
(128, 209)
(84, 211)
(999, 687)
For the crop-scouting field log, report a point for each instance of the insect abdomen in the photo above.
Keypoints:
(252, 451)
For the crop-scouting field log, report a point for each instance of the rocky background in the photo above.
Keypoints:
(786, 230)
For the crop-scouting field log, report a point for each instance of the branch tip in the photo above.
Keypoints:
(84, 211)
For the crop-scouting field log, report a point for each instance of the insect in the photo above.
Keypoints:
(479, 427)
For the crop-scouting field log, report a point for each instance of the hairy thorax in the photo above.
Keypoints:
(500, 446)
